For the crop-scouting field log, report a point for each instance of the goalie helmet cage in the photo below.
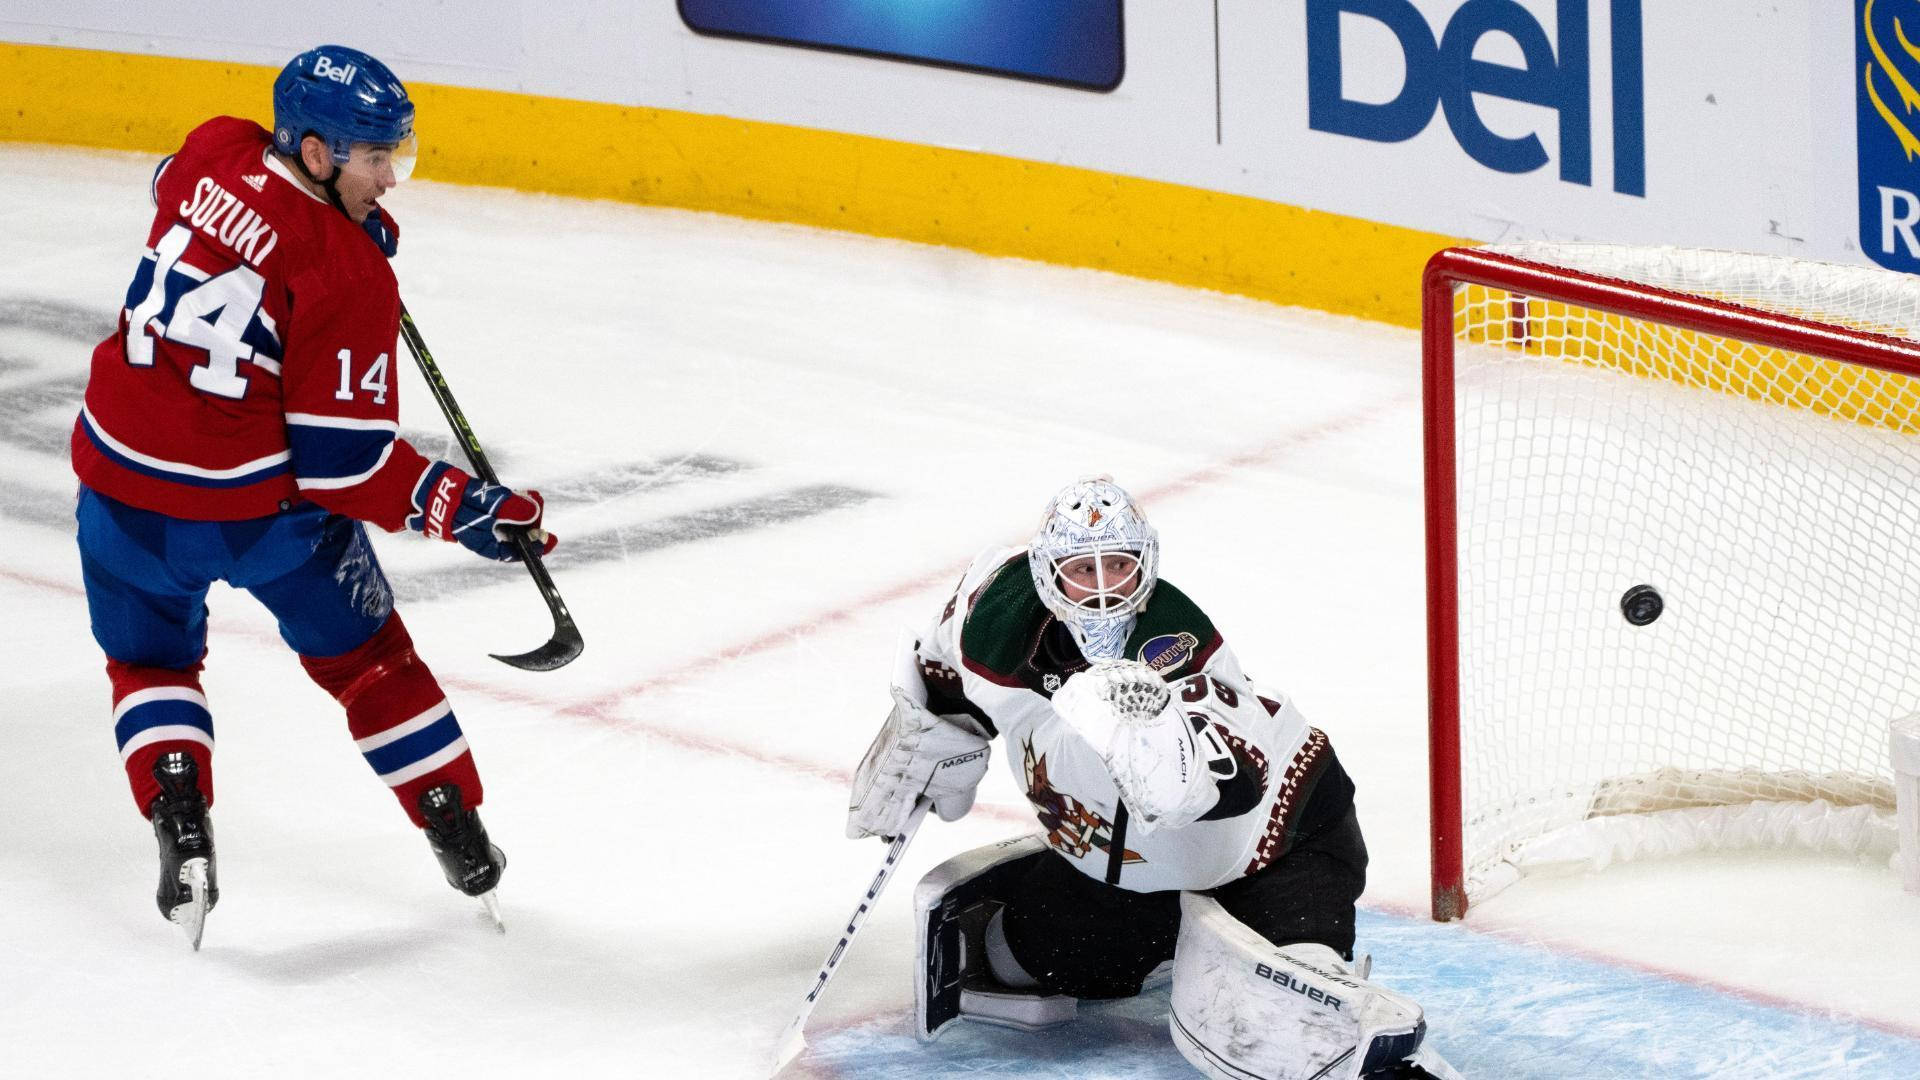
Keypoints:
(1738, 435)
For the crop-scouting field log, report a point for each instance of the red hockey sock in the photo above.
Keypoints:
(399, 717)
(157, 711)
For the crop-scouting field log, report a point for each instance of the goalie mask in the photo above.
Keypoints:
(1094, 562)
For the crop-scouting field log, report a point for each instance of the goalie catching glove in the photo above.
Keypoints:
(450, 505)
(1126, 712)
(915, 754)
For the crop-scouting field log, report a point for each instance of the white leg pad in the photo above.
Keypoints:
(1245, 1009)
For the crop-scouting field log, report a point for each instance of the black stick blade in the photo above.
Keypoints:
(556, 653)
(560, 650)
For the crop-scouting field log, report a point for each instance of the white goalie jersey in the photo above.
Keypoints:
(997, 656)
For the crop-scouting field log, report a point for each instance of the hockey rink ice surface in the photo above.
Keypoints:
(767, 449)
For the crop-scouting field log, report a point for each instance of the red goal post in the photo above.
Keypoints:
(1669, 356)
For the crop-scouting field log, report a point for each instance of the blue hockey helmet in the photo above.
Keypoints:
(342, 95)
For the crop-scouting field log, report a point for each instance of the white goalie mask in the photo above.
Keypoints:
(1094, 562)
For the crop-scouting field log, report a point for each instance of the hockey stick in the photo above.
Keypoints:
(561, 649)
(794, 1039)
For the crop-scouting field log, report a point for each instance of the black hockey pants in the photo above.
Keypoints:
(1089, 939)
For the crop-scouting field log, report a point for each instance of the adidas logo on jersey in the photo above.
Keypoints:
(257, 182)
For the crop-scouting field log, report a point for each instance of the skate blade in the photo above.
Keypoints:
(492, 904)
(792, 1042)
(191, 917)
(1429, 1059)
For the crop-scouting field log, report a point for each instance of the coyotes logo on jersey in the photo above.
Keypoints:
(1072, 829)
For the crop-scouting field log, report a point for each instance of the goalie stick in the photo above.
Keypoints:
(565, 644)
(794, 1038)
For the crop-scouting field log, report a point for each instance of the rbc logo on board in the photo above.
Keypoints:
(1443, 73)
(1889, 131)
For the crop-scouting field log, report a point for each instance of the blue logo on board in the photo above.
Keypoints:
(1885, 104)
(1444, 73)
(1077, 43)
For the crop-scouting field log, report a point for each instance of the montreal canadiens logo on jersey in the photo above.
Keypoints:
(1168, 651)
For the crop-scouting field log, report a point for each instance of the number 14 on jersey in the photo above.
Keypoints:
(374, 381)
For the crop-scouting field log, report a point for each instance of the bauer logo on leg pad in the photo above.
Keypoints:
(1282, 979)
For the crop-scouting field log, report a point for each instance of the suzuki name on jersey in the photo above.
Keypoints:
(222, 216)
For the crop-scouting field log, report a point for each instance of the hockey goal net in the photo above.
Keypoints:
(1673, 518)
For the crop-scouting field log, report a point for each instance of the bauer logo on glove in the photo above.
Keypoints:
(482, 517)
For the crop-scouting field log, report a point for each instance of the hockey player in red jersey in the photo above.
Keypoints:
(240, 425)
(1189, 820)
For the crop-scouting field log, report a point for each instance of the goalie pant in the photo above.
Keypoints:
(1086, 939)
(147, 577)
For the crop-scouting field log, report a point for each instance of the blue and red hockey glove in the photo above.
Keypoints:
(450, 505)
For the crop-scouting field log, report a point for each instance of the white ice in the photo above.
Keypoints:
(774, 447)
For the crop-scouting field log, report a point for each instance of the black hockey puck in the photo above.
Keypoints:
(1641, 604)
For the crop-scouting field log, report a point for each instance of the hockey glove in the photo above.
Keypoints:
(1126, 712)
(450, 505)
(916, 753)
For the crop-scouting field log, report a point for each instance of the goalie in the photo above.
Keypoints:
(1188, 817)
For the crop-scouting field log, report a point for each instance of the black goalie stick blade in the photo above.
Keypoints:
(557, 653)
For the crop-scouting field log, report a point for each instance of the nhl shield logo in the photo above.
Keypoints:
(1051, 682)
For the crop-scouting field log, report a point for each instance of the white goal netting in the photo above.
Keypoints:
(1770, 499)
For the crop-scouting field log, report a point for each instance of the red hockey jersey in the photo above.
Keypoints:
(253, 363)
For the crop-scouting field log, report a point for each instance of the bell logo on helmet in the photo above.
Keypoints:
(325, 68)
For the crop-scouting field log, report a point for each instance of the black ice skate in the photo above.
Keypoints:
(189, 886)
(471, 862)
